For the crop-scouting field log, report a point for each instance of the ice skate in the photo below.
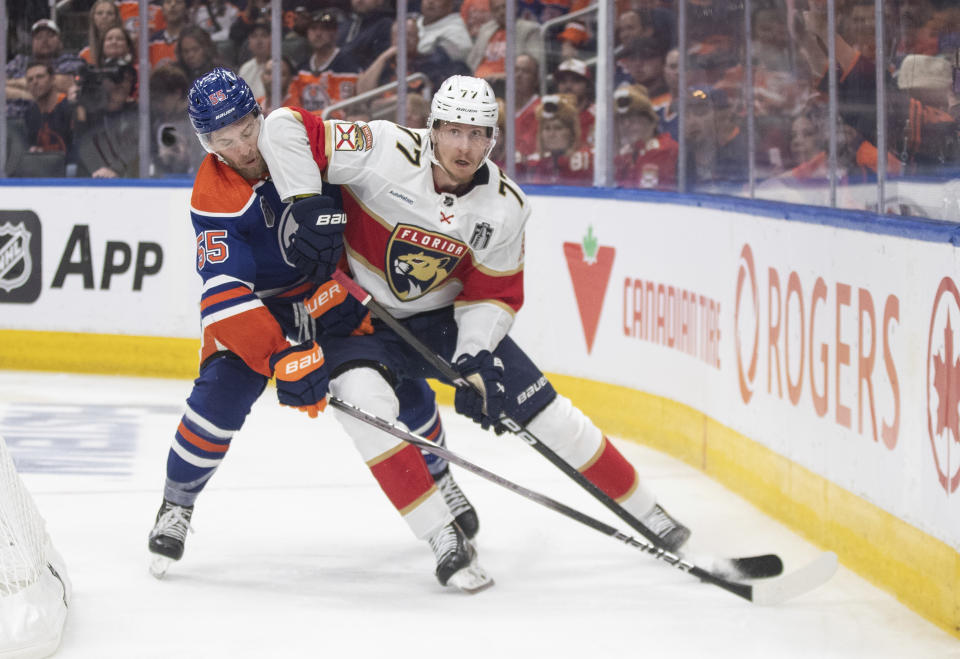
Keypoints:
(168, 536)
(457, 560)
(462, 510)
(672, 533)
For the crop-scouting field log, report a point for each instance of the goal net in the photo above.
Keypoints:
(34, 589)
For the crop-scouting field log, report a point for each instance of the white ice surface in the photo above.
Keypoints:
(297, 553)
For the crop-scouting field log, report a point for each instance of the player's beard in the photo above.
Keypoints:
(253, 170)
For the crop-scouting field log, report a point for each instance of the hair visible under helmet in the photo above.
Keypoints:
(465, 100)
(218, 99)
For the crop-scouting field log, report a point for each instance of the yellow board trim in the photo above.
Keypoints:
(920, 570)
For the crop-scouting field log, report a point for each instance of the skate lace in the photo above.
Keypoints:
(453, 495)
(173, 523)
(444, 542)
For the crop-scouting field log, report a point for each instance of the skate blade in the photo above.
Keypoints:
(159, 565)
(471, 579)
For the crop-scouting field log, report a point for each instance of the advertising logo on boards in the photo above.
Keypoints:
(590, 265)
(943, 384)
(20, 250)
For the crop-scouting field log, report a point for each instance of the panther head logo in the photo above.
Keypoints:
(420, 261)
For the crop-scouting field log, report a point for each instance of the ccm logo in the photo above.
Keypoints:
(306, 362)
(329, 219)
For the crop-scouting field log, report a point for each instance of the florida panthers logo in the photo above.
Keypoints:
(420, 261)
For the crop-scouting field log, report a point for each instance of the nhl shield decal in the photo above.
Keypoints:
(420, 261)
(19, 256)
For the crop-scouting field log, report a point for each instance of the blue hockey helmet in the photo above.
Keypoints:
(218, 99)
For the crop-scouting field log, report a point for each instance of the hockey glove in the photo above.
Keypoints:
(302, 378)
(337, 313)
(318, 241)
(484, 401)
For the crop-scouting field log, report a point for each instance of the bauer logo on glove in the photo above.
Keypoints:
(331, 219)
(302, 378)
(308, 362)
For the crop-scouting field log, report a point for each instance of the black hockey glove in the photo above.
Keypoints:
(318, 241)
(302, 378)
(484, 406)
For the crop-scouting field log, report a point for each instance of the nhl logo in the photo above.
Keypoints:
(16, 264)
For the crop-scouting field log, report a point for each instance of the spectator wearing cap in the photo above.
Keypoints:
(102, 16)
(216, 17)
(646, 157)
(642, 63)
(574, 77)
(575, 39)
(440, 25)
(45, 47)
(488, 54)
(163, 43)
(366, 33)
(329, 75)
(928, 136)
(437, 65)
(561, 157)
(49, 118)
(716, 148)
(258, 43)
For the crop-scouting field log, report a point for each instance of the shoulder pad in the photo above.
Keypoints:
(219, 189)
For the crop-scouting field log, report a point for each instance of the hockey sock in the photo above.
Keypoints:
(198, 448)
(574, 437)
(419, 413)
(398, 467)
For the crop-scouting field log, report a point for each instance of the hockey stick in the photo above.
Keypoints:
(773, 591)
(748, 567)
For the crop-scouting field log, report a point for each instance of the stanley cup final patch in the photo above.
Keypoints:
(352, 137)
(20, 255)
(419, 261)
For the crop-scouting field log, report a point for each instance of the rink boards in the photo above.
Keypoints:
(807, 359)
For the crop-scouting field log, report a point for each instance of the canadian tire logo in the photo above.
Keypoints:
(589, 265)
(943, 384)
(19, 256)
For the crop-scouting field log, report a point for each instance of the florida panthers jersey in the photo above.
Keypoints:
(243, 231)
(413, 248)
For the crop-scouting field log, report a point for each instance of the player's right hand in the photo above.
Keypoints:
(302, 378)
(483, 402)
(318, 241)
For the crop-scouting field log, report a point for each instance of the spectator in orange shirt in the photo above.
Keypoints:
(486, 58)
(474, 14)
(646, 158)
(102, 16)
(329, 75)
(163, 43)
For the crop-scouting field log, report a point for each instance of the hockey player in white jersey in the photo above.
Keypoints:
(435, 233)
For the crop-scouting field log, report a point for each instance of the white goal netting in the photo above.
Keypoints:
(34, 589)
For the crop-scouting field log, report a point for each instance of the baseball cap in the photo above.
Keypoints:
(576, 67)
(924, 72)
(705, 95)
(575, 33)
(44, 24)
(326, 18)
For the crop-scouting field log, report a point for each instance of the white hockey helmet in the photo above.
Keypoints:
(465, 100)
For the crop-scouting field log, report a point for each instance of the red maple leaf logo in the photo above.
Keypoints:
(589, 265)
(946, 380)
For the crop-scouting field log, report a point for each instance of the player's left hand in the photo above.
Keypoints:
(318, 241)
(302, 378)
(484, 401)
(336, 312)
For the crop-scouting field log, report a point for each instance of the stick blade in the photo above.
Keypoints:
(811, 576)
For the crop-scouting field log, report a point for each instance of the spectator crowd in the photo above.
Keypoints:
(72, 84)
